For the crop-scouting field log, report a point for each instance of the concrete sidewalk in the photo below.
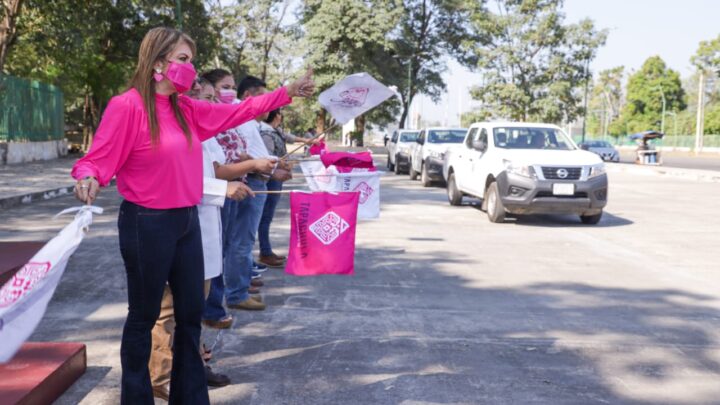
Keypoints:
(37, 181)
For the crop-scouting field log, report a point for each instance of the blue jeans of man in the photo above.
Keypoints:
(267, 216)
(240, 225)
(159, 247)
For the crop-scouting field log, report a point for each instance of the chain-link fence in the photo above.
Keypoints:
(683, 141)
(30, 110)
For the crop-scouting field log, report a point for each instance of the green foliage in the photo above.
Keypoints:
(532, 62)
(89, 49)
(645, 90)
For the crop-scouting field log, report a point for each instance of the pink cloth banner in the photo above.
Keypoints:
(347, 162)
(322, 233)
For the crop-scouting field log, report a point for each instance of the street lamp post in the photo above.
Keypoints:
(675, 132)
(662, 118)
(587, 80)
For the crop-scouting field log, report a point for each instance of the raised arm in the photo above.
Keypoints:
(212, 118)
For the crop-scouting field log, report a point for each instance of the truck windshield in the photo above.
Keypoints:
(409, 136)
(531, 138)
(447, 136)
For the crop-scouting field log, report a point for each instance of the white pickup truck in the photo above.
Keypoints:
(522, 168)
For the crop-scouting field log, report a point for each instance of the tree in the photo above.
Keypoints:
(533, 63)
(340, 34)
(429, 30)
(89, 49)
(606, 100)
(9, 13)
(254, 38)
(645, 91)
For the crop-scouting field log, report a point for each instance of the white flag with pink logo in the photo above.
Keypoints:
(353, 96)
(24, 298)
(364, 182)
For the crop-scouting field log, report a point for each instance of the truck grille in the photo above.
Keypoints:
(555, 173)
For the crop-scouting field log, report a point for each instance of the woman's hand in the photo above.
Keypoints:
(264, 165)
(243, 157)
(303, 87)
(237, 190)
(87, 189)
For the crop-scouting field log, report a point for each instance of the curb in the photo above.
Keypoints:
(706, 176)
(27, 198)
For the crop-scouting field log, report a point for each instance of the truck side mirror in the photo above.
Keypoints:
(420, 140)
(479, 146)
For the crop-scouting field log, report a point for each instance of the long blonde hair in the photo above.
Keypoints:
(156, 46)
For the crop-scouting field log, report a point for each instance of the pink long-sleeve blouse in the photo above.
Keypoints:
(169, 174)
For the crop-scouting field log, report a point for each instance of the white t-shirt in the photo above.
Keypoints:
(250, 132)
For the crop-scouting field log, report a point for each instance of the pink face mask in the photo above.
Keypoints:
(181, 75)
(227, 96)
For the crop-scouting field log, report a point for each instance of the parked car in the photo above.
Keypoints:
(604, 149)
(523, 168)
(428, 153)
(399, 148)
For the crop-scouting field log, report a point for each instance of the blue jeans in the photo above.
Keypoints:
(240, 225)
(267, 217)
(159, 247)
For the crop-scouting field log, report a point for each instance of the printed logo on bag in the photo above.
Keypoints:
(329, 227)
(22, 282)
(365, 191)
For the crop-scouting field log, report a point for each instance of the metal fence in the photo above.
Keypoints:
(30, 110)
(683, 141)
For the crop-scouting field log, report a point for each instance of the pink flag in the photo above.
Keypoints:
(319, 149)
(346, 162)
(322, 233)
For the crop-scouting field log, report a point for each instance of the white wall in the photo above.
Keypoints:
(20, 152)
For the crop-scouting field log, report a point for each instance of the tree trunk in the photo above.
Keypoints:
(320, 122)
(405, 112)
(359, 130)
(11, 11)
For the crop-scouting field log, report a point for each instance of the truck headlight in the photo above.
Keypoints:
(597, 170)
(437, 155)
(521, 170)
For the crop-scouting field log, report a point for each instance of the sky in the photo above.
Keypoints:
(638, 29)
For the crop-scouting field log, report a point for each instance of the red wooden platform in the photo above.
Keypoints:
(40, 372)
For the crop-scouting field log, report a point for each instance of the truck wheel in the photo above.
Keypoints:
(396, 169)
(425, 177)
(591, 219)
(390, 166)
(413, 173)
(495, 208)
(455, 197)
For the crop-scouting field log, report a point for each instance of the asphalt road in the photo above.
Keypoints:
(448, 308)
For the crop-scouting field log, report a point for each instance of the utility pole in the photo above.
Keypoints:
(662, 119)
(587, 80)
(409, 118)
(178, 15)
(700, 123)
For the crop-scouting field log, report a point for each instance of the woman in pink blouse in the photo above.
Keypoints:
(150, 139)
